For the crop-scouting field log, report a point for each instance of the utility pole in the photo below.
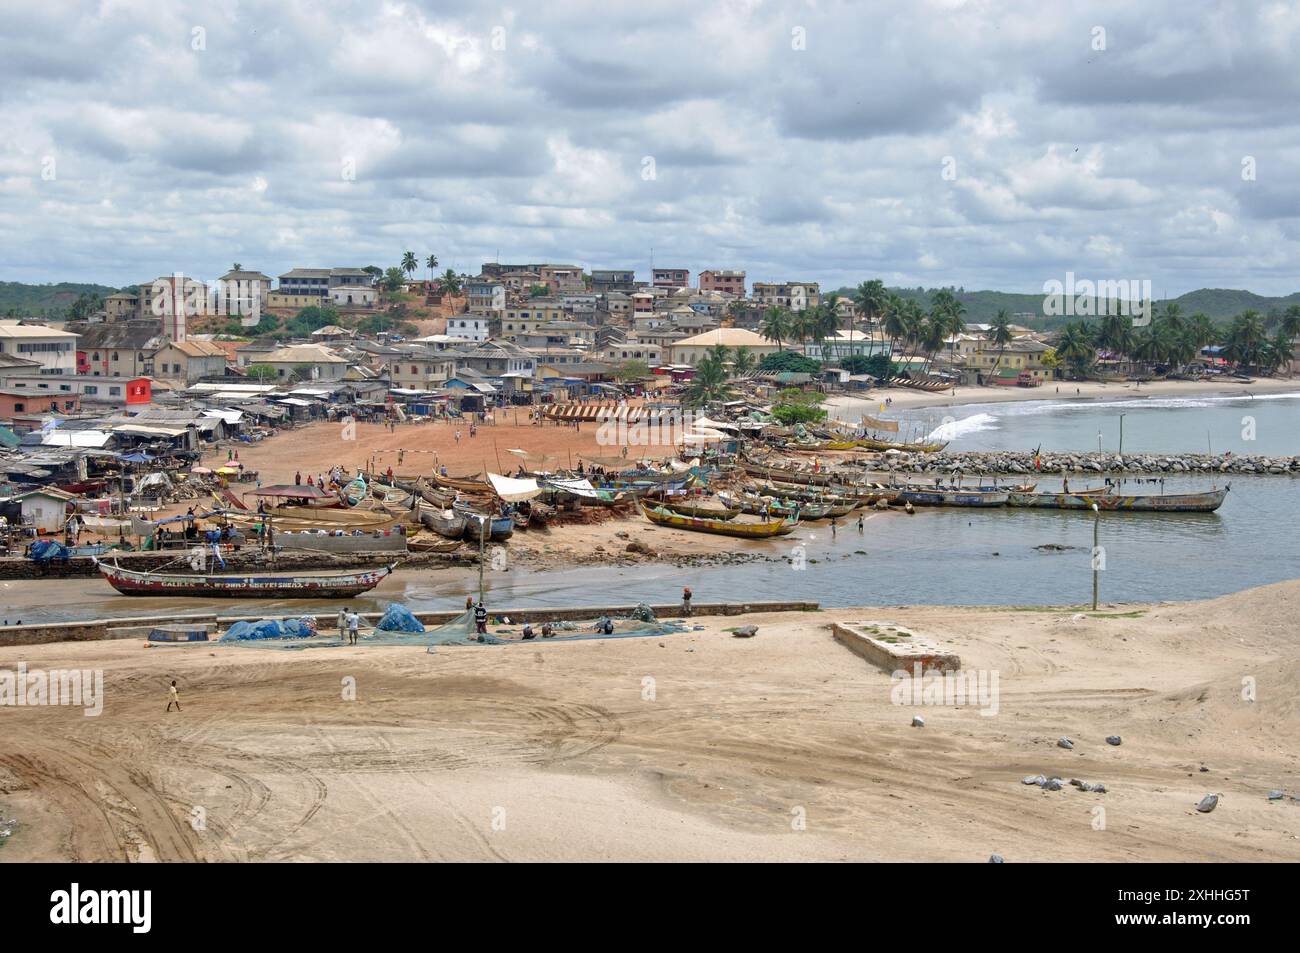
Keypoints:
(1121, 434)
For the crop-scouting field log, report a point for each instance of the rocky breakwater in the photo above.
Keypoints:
(994, 462)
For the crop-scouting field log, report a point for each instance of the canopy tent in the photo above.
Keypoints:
(512, 490)
(576, 487)
(138, 457)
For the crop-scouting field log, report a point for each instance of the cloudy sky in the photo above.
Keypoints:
(983, 144)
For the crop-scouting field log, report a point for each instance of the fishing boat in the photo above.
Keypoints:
(466, 484)
(789, 509)
(1206, 502)
(705, 511)
(329, 585)
(881, 446)
(951, 497)
(520, 516)
(763, 530)
(804, 477)
(432, 544)
(444, 522)
(500, 528)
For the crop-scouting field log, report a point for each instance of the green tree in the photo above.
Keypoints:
(795, 406)
(431, 263)
(409, 263)
(1077, 347)
(450, 282)
(709, 383)
(789, 362)
(742, 361)
(538, 291)
(632, 371)
(261, 372)
(394, 278)
(1000, 334)
(776, 324)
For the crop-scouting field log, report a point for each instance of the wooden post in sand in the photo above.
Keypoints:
(1096, 566)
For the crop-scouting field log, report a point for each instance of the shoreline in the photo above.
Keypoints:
(906, 399)
(692, 745)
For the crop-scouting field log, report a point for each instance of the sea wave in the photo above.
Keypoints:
(953, 429)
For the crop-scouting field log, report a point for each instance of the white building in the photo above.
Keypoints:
(468, 327)
(54, 350)
(353, 296)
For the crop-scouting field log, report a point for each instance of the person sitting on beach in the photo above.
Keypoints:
(528, 632)
(547, 631)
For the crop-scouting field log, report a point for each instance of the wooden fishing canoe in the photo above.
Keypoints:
(764, 530)
(332, 585)
(942, 497)
(696, 509)
(1206, 502)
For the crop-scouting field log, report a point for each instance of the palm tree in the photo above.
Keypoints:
(742, 361)
(801, 326)
(1245, 338)
(409, 264)
(1000, 334)
(708, 385)
(825, 323)
(1076, 346)
(236, 267)
(895, 320)
(872, 299)
(431, 263)
(775, 325)
(450, 282)
(932, 335)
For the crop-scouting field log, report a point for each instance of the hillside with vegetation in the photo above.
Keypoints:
(981, 307)
(50, 302)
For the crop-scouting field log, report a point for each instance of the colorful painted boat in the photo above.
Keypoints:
(466, 484)
(334, 585)
(702, 510)
(500, 528)
(803, 477)
(942, 497)
(789, 509)
(764, 530)
(1113, 502)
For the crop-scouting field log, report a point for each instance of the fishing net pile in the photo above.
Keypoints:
(269, 629)
(398, 618)
(47, 550)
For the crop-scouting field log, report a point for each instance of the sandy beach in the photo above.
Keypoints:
(851, 406)
(691, 746)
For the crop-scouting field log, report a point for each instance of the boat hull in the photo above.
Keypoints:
(766, 530)
(343, 585)
(953, 498)
(1114, 502)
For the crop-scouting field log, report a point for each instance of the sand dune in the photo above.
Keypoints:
(555, 751)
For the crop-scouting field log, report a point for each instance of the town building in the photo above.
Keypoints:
(793, 295)
(728, 282)
(604, 281)
(690, 350)
(53, 349)
(670, 278)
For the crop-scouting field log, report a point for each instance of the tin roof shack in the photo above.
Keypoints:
(44, 510)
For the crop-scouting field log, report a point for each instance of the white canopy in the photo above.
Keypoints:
(512, 490)
(576, 487)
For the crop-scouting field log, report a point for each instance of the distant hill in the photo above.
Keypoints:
(1221, 304)
(44, 301)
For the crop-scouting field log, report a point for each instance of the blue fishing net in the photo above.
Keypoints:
(398, 618)
(270, 629)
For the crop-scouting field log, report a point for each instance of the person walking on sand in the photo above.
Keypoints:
(457, 436)
(686, 600)
(354, 623)
(173, 697)
(480, 621)
(860, 518)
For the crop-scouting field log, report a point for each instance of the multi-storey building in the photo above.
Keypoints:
(728, 282)
(794, 295)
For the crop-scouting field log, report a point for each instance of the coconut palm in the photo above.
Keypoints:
(1000, 334)
(409, 264)
(450, 282)
(431, 263)
(1076, 346)
(709, 383)
(872, 299)
(742, 361)
(1245, 338)
(775, 325)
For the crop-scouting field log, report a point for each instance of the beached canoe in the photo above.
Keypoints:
(1206, 502)
(332, 585)
(703, 510)
(769, 507)
(763, 530)
(445, 522)
(941, 497)
(500, 528)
